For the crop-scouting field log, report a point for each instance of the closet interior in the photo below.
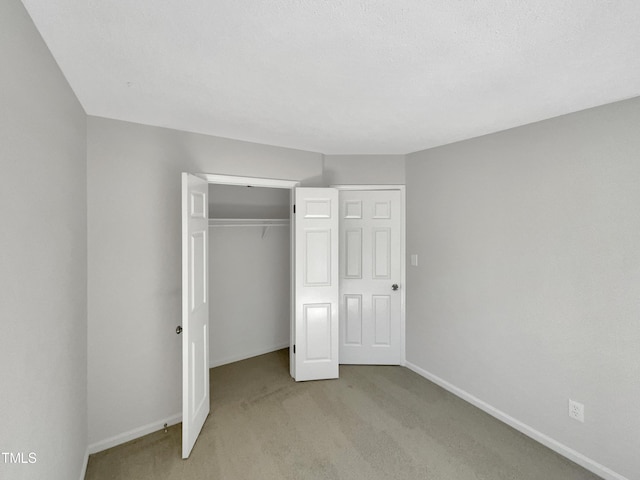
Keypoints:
(249, 276)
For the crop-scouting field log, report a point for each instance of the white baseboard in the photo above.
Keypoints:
(133, 434)
(85, 462)
(216, 362)
(545, 440)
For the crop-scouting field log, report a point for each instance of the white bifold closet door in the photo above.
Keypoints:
(316, 289)
(195, 309)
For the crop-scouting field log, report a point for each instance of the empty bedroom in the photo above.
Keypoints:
(320, 240)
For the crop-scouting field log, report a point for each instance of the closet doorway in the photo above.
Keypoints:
(249, 272)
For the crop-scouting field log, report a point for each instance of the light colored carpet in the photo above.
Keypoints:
(375, 422)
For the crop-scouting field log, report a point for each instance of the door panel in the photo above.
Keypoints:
(352, 209)
(382, 210)
(317, 259)
(197, 255)
(353, 253)
(352, 319)
(317, 324)
(382, 319)
(195, 310)
(381, 252)
(370, 263)
(316, 284)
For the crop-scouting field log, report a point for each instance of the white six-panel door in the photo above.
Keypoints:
(316, 284)
(370, 274)
(195, 310)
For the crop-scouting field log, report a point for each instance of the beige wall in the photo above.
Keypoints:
(528, 285)
(134, 259)
(364, 169)
(43, 258)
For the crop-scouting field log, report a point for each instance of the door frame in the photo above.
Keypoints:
(403, 252)
(249, 181)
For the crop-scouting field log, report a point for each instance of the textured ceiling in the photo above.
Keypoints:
(343, 76)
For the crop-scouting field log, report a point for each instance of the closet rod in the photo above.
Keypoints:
(248, 222)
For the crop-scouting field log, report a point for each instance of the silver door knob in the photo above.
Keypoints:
(394, 287)
(178, 329)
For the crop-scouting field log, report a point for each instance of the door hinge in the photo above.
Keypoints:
(294, 208)
(294, 349)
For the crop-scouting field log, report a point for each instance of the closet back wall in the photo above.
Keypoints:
(248, 275)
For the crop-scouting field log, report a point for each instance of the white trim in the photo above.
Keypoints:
(369, 187)
(531, 432)
(133, 434)
(292, 283)
(85, 462)
(244, 356)
(403, 254)
(249, 181)
(403, 277)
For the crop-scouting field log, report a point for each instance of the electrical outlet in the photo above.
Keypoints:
(576, 410)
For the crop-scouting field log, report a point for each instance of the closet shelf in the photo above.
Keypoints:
(248, 222)
(265, 223)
